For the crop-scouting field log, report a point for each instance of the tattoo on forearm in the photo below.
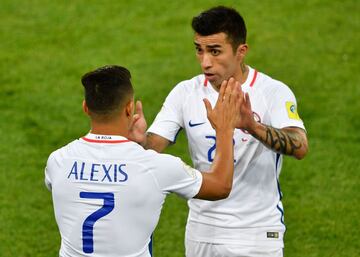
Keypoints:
(280, 141)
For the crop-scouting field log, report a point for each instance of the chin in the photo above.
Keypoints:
(216, 83)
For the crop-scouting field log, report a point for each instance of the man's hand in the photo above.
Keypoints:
(137, 131)
(289, 141)
(225, 115)
(246, 119)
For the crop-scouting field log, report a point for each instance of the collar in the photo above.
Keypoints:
(250, 80)
(105, 139)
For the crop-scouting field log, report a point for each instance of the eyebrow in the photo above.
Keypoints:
(209, 46)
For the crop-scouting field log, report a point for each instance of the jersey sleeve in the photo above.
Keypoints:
(172, 175)
(169, 120)
(49, 166)
(283, 109)
(53, 164)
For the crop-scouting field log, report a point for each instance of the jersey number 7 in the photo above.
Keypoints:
(88, 225)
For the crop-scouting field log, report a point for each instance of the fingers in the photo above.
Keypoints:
(222, 91)
(236, 97)
(247, 101)
(136, 117)
(139, 109)
(208, 106)
(230, 91)
(235, 92)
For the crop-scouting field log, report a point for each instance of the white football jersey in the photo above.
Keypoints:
(253, 213)
(108, 193)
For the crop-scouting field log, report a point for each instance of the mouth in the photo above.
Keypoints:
(209, 76)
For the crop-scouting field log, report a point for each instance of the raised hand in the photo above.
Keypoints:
(245, 115)
(137, 131)
(225, 115)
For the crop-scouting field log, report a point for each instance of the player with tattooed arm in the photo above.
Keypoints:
(250, 222)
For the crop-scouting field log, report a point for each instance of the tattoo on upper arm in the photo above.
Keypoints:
(282, 142)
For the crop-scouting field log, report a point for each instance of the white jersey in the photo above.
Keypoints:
(108, 193)
(253, 213)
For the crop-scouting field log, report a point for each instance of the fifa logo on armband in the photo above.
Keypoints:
(292, 111)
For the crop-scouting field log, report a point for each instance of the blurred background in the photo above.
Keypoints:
(46, 46)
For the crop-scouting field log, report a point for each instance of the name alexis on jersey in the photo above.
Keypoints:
(98, 172)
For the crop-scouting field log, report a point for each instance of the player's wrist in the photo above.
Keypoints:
(143, 142)
(224, 133)
(255, 128)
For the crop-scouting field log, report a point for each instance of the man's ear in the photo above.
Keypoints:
(85, 107)
(241, 51)
(129, 109)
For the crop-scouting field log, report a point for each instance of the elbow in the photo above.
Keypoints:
(301, 153)
(299, 156)
(224, 192)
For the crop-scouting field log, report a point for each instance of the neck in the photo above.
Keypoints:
(242, 74)
(115, 128)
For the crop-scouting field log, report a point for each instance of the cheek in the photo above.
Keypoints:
(230, 66)
(225, 67)
(222, 64)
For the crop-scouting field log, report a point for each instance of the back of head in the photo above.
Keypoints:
(107, 89)
(221, 19)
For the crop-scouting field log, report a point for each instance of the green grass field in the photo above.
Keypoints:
(310, 45)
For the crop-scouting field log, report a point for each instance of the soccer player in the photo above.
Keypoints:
(250, 222)
(108, 191)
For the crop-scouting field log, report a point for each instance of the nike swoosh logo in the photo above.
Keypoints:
(195, 124)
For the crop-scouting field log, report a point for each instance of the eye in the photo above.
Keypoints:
(198, 50)
(215, 52)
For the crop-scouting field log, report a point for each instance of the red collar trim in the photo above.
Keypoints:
(205, 82)
(106, 139)
(254, 78)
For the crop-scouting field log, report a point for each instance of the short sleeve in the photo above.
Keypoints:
(49, 164)
(283, 109)
(173, 176)
(169, 120)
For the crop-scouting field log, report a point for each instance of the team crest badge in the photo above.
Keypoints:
(292, 111)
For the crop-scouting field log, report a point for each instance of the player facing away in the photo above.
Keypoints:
(108, 191)
(250, 222)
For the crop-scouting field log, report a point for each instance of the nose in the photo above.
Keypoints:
(206, 61)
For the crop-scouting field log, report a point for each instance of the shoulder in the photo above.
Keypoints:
(61, 153)
(159, 160)
(179, 95)
(271, 87)
(191, 85)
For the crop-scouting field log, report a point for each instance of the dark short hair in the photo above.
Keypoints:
(221, 19)
(107, 88)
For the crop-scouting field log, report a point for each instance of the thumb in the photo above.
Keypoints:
(208, 106)
(139, 109)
